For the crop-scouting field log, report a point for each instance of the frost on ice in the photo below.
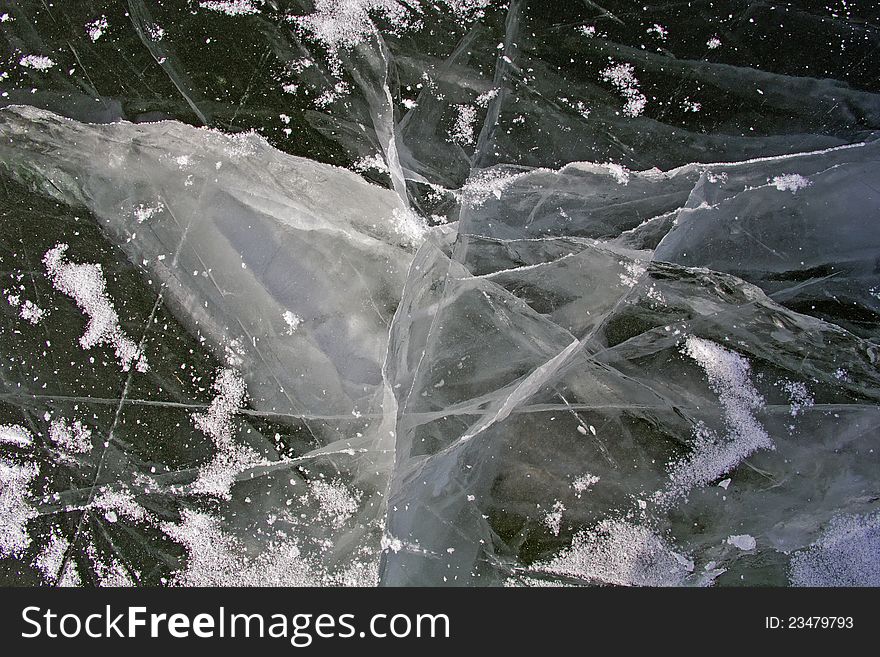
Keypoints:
(13, 434)
(463, 130)
(583, 483)
(340, 24)
(791, 182)
(72, 437)
(217, 558)
(553, 518)
(617, 552)
(36, 62)
(231, 458)
(622, 77)
(799, 395)
(97, 28)
(845, 554)
(292, 321)
(144, 212)
(519, 348)
(27, 309)
(744, 542)
(15, 507)
(336, 503)
(231, 7)
(85, 284)
(50, 559)
(714, 455)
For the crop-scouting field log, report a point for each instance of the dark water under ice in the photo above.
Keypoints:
(443, 293)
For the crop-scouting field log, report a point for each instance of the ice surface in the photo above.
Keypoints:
(450, 293)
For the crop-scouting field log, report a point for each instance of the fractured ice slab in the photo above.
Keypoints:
(487, 445)
(661, 378)
(241, 235)
(545, 392)
(802, 228)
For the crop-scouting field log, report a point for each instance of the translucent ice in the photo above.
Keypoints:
(592, 303)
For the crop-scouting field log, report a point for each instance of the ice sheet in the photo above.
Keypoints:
(454, 293)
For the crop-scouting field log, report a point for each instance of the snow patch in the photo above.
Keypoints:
(36, 62)
(713, 455)
(847, 554)
(463, 130)
(292, 321)
(72, 437)
(14, 434)
(15, 510)
(96, 28)
(85, 284)
(218, 476)
(553, 518)
(744, 542)
(790, 182)
(618, 552)
(623, 78)
(230, 7)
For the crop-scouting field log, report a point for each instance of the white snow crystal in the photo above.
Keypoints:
(487, 183)
(36, 62)
(618, 172)
(217, 477)
(581, 108)
(584, 482)
(375, 162)
(484, 99)
(798, 396)
(633, 270)
(144, 212)
(588, 31)
(72, 437)
(85, 284)
(116, 503)
(340, 24)
(336, 503)
(155, 32)
(617, 552)
(847, 554)
(27, 310)
(109, 571)
(553, 518)
(292, 321)
(409, 226)
(622, 76)
(13, 434)
(230, 7)
(96, 28)
(744, 542)
(51, 557)
(791, 182)
(218, 558)
(31, 312)
(463, 130)
(15, 510)
(712, 455)
(659, 30)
